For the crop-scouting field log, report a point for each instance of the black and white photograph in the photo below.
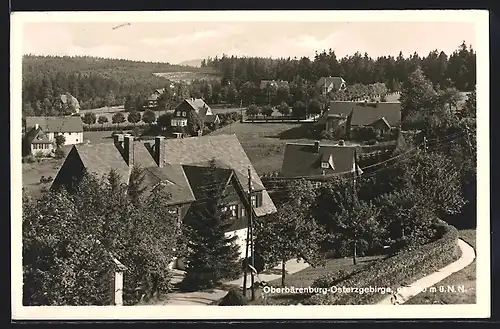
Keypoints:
(167, 164)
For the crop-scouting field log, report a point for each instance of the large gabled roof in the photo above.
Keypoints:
(364, 114)
(226, 150)
(304, 160)
(54, 124)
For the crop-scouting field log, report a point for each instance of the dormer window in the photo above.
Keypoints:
(325, 165)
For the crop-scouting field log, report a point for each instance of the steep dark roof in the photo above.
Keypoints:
(56, 124)
(304, 160)
(366, 115)
(225, 149)
(174, 181)
(36, 136)
(197, 177)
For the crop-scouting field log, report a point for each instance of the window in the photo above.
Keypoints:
(242, 212)
(234, 210)
(254, 200)
(173, 211)
(223, 209)
(183, 113)
(324, 165)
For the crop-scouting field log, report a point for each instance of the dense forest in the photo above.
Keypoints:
(456, 70)
(95, 82)
(98, 82)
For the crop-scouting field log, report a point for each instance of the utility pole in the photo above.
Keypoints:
(356, 206)
(247, 244)
(250, 230)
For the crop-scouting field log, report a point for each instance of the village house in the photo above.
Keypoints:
(179, 165)
(43, 130)
(272, 83)
(318, 161)
(328, 84)
(198, 105)
(342, 117)
(152, 100)
(37, 142)
(68, 102)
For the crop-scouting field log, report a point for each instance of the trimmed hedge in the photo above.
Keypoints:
(111, 127)
(395, 271)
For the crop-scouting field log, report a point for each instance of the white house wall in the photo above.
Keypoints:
(70, 138)
(241, 241)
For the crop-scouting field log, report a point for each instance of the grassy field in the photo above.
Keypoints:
(32, 172)
(265, 143)
(465, 277)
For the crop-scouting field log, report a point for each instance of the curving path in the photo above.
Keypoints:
(467, 257)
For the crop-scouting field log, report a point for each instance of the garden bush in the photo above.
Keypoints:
(397, 270)
(234, 297)
(29, 159)
(331, 279)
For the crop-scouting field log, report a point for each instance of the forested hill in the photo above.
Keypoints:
(95, 82)
(446, 70)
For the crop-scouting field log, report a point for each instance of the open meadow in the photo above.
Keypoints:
(265, 143)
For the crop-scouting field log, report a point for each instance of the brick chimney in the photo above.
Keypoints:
(159, 150)
(128, 149)
(316, 146)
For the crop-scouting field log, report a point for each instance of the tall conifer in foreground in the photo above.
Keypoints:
(212, 256)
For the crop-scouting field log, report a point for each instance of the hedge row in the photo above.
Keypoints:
(114, 127)
(396, 271)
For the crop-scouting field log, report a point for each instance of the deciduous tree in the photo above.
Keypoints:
(89, 118)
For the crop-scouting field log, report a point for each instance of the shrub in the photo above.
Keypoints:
(397, 270)
(234, 298)
(136, 132)
(29, 159)
(59, 153)
(331, 279)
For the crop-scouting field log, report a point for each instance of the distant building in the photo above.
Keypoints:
(327, 84)
(71, 127)
(36, 141)
(272, 83)
(67, 101)
(180, 115)
(342, 117)
(152, 100)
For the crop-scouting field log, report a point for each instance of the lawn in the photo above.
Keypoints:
(466, 277)
(32, 172)
(265, 143)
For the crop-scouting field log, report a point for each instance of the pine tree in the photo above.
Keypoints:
(212, 256)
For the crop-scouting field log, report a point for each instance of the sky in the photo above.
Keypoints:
(175, 42)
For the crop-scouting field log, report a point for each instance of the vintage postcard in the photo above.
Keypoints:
(250, 165)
